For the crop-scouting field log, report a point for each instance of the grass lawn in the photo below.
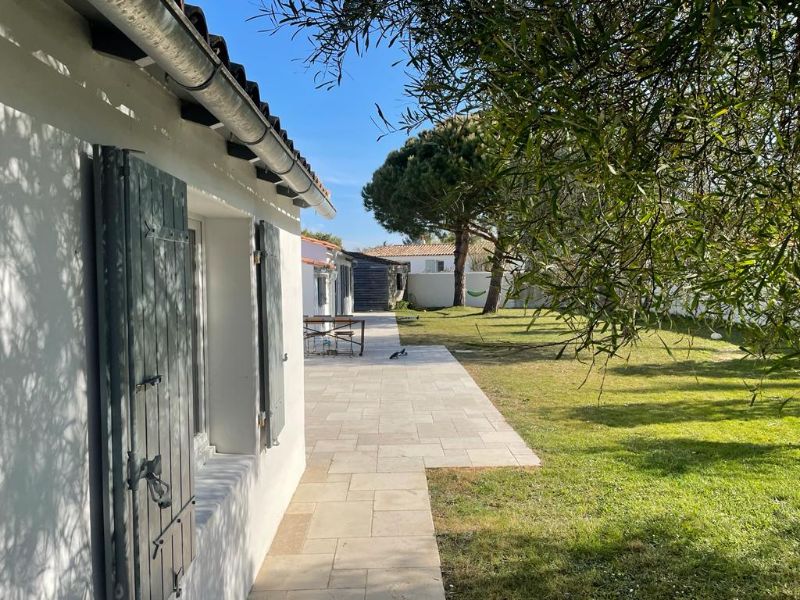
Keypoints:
(671, 486)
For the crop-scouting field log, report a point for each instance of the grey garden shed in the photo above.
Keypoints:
(379, 283)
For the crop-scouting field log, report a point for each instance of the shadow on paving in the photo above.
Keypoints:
(650, 560)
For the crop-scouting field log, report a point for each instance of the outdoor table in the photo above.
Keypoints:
(339, 324)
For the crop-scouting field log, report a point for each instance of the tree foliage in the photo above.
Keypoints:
(324, 236)
(658, 140)
(435, 182)
(427, 185)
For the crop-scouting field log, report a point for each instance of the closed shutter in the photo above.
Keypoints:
(145, 307)
(270, 336)
(322, 291)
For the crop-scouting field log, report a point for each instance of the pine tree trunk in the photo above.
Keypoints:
(496, 281)
(461, 252)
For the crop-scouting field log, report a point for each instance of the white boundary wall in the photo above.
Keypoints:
(435, 290)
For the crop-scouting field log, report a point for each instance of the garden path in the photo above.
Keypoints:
(360, 526)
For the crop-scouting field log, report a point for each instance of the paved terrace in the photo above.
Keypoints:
(359, 526)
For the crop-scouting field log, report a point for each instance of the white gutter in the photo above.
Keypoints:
(164, 33)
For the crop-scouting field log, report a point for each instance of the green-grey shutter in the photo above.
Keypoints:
(270, 317)
(145, 307)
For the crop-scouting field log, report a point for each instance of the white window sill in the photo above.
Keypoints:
(216, 481)
(203, 450)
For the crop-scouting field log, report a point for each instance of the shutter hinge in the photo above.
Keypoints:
(258, 255)
(262, 419)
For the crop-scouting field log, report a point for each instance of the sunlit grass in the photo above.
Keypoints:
(669, 485)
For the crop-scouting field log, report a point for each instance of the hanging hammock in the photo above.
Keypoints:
(476, 294)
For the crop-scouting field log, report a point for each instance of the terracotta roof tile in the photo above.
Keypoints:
(319, 242)
(219, 46)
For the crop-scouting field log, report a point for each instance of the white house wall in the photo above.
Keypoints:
(233, 543)
(58, 96)
(322, 254)
(309, 290)
(330, 301)
(232, 355)
(311, 305)
(418, 262)
(347, 301)
(48, 376)
(316, 252)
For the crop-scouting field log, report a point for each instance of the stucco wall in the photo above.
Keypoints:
(48, 380)
(418, 262)
(232, 356)
(314, 251)
(309, 290)
(65, 96)
(309, 283)
(233, 543)
(346, 307)
(322, 254)
(432, 290)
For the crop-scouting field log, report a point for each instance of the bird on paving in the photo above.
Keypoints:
(398, 354)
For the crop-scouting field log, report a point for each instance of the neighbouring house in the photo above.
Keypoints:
(379, 283)
(431, 280)
(327, 278)
(151, 357)
(434, 258)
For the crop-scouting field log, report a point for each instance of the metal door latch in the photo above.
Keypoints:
(148, 383)
(177, 577)
(158, 488)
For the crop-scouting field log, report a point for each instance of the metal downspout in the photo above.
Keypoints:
(161, 30)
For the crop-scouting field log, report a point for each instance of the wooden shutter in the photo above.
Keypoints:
(322, 291)
(270, 336)
(145, 307)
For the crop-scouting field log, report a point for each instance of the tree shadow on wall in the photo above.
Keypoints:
(47, 344)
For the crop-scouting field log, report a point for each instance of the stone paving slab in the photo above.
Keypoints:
(360, 524)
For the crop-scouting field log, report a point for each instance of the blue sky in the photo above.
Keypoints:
(333, 129)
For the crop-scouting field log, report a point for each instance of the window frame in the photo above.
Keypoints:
(322, 289)
(200, 398)
(345, 280)
(434, 265)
